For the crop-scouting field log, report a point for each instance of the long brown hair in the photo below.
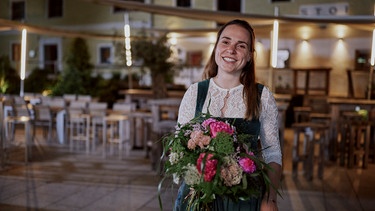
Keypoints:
(247, 78)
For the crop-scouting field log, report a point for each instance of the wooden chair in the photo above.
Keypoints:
(164, 120)
(19, 115)
(44, 118)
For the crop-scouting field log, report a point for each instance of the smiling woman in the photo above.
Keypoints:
(231, 93)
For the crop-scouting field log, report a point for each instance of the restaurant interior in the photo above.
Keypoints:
(75, 152)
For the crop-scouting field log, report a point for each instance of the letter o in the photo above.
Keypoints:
(332, 10)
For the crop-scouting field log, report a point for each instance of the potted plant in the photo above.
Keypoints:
(155, 55)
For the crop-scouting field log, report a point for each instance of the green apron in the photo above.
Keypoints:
(222, 203)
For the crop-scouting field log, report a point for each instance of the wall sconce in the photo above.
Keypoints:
(32, 53)
(173, 41)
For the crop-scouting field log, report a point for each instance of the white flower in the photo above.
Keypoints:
(174, 157)
(192, 176)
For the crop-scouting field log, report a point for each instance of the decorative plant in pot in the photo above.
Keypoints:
(155, 55)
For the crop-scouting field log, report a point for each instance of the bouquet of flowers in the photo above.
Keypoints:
(214, 160)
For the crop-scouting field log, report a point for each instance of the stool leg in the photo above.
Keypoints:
(27, 142)
(87, 127)
(309, 163)
(366, 145)
(111, 137)
(71, 135)
(125, 134)
(345, 135)
(93, 134)
(295, 153)
(121, 138)
(351, 147)
(104, 138)
(322, 146)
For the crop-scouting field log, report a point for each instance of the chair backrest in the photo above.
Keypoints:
(86, 98)
(164, 114)
(17, 100)
(76, 107)
(97, 108)
(57, 102)
(78, 104)
(21, 110)
(123, 107)
(70, 97)
(45, 100)
(42, 113)
(97, 105)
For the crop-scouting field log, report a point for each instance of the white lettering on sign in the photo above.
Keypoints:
(335, 9)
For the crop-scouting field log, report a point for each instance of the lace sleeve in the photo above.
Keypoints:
(186, 111)
(269, 131)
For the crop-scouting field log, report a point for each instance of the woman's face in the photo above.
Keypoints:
(232, 50)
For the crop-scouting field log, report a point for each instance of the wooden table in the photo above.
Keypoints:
(143, 95)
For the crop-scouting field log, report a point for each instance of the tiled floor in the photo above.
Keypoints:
(57, 179)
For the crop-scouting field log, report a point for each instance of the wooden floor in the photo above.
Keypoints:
(57, 179)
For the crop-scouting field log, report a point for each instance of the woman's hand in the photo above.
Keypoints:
(269, 205)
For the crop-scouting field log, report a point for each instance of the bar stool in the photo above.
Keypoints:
(97, 111)
(20, 115)
(312, 133)
(325, 118)
(79, 125)
(116, 129)
(359, 144)
(117, 126)
(355, 139)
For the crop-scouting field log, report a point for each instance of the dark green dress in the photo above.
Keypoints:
(242, 126)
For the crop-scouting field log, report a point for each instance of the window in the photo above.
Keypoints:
(55, 8)
(119, 9)
(18, 10)
(16, 52)
(224, 5)
(183, 3)
(105, 54)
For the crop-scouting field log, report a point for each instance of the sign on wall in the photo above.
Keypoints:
(332, 9)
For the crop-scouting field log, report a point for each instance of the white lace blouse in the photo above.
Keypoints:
(269, 130)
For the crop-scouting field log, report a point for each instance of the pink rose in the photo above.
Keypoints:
(209, 167)
(216, 127)
(247, 165)
(208, 121)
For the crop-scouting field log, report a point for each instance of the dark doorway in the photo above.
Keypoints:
(50, 57)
